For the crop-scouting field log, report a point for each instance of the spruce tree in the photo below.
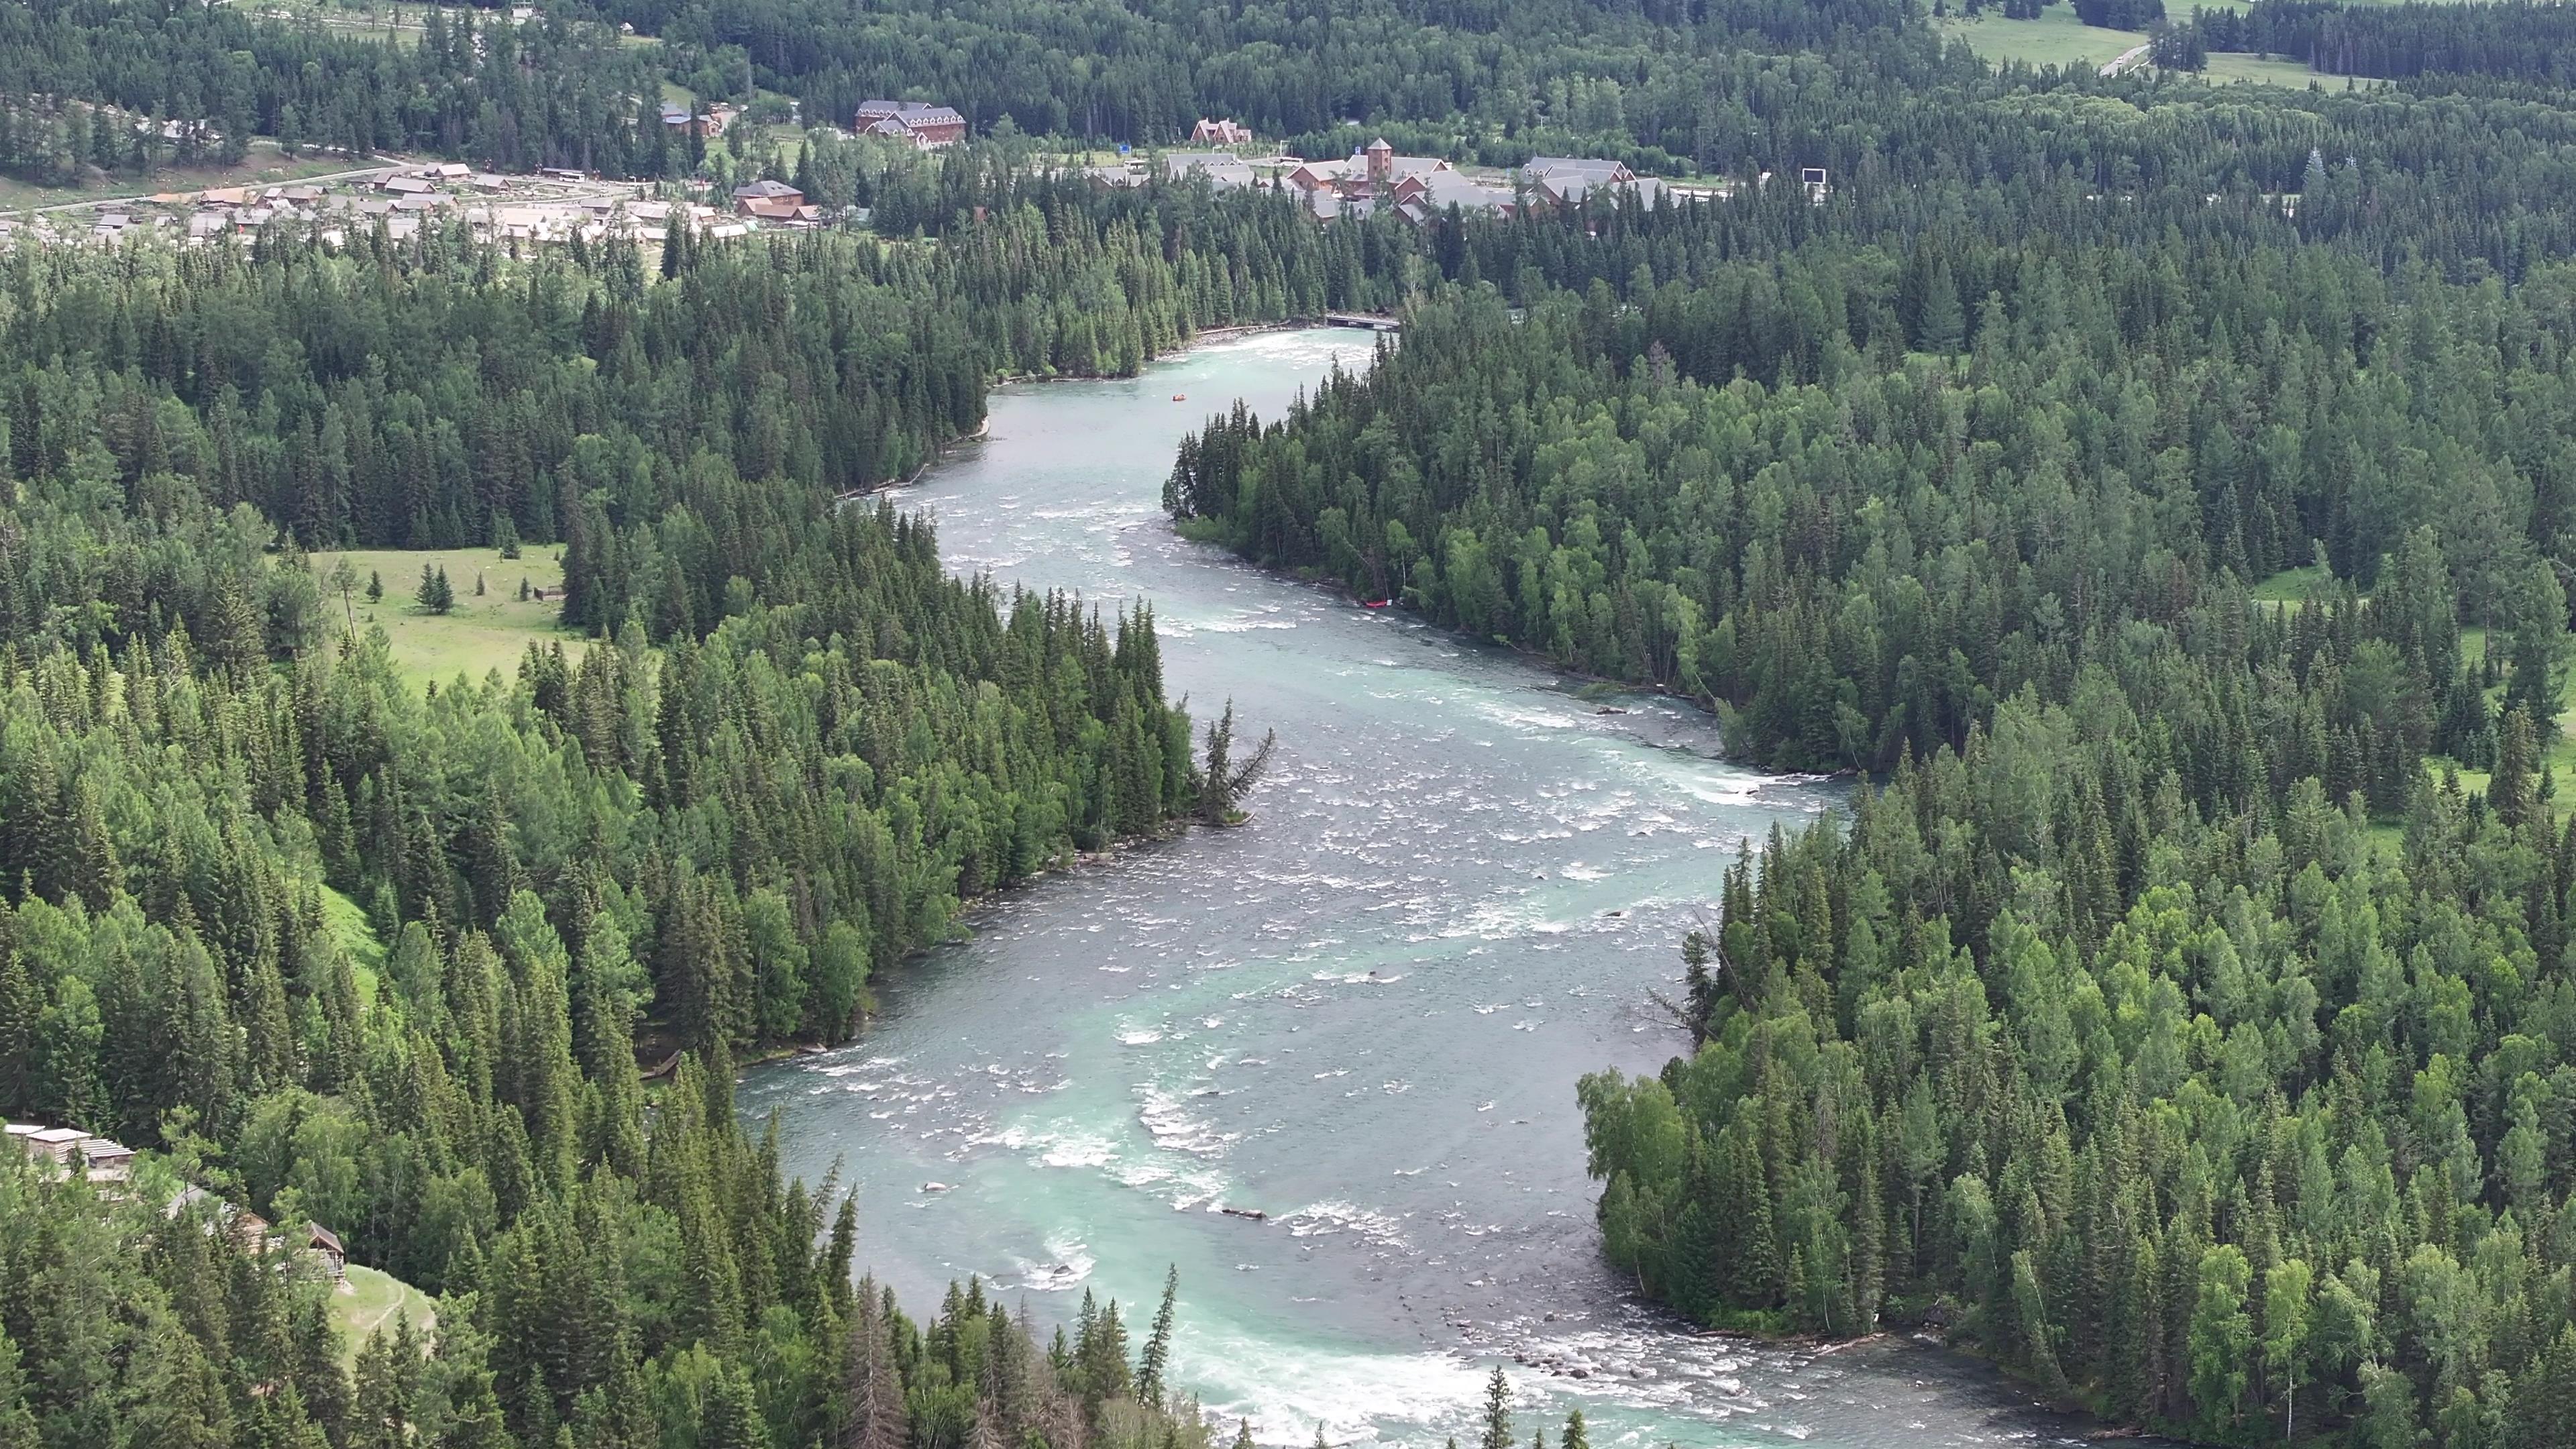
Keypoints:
(1498, 1413)
(1157, 1356)
(17, 1421)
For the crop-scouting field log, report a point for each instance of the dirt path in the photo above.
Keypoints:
(2127, 58)
(91, 203)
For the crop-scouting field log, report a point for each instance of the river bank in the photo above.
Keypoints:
(1362, 1015)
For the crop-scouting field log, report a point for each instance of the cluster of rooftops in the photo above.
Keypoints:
(1375, 178)
(108, 1166)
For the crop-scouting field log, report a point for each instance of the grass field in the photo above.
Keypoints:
(2058, 38)
(372, 1300)
(2557, 747)
(264, 165)
(2293, 586)
(357, 936)
(482, 633)
(2270, 70)
(2055, 38)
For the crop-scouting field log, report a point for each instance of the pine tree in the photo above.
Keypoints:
(2512, 792)
(1498, 1413)
(2544, 1397)
(1222, 783)
(1158, 1344)
(19, 1005)
(17, 1421)
(877, 1416)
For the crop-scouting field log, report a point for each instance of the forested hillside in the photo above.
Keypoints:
(2169, 1019)
(424, 395)
(394, 960)
(473, 86)
(1667, 79)
(2161, 493)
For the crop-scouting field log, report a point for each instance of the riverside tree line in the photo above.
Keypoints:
(2161, 1019)
(391, 958)
(2182, 1015)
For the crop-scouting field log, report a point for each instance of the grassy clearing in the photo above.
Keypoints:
(2227, 67)
(482, 633)
(2557, 744)
(370, 1300)
(357, 936)
(2294, 587)
(2055, 38)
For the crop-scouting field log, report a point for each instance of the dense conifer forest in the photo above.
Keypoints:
(2181, 1015)
(2159, 495)
(395, 959)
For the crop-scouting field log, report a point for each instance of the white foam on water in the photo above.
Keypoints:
(1287, 1392)
(1063, 1145)
(1063, 1272)
(1324, 1219)
(1176, 1129)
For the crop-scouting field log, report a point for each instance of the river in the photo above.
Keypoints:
(1362, 1015)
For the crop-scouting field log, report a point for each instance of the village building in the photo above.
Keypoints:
(57, 1145)
(680, 119)
(925, 126)
(106, 1161)
(324, 1245)
(1421, 199)
(1220, 133)
(1374, 174)
(1224, 172)
(767, 199)
(1568, 181)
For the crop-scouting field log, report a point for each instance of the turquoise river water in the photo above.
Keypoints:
(1362, 1015)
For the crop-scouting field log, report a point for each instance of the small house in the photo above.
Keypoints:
(53, 1144)
(105, 1161)
(324, 1245)
(1220, 133)
(250, 1231)
(765, 197)
(1313, 176)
